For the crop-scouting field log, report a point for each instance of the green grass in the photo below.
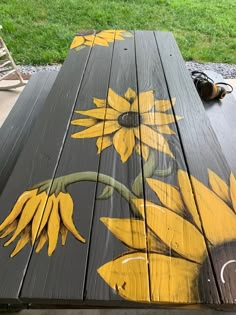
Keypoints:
(40, 31)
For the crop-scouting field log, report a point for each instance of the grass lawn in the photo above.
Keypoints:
(40, 31)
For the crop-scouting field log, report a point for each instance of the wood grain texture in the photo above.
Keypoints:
(176, 225)
(59, 278)
(203, 152)
(19, 123)
(116, 227)
(37, 161)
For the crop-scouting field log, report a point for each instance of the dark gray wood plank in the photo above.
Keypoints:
(203, 152)
(115, 235)
(59, 278)
(19, 123)
(180, 246)
(36, 163)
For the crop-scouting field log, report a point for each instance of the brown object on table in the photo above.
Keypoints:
(120, 195)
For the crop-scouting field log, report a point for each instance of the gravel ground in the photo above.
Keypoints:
(228, 71)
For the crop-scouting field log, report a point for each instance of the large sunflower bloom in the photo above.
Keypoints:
(127, 121)
(37, 216)
(175, 224)
(102, 38)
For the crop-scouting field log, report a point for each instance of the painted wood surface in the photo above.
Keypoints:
(136, 202)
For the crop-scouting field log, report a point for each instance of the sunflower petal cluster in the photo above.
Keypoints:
(40, 218)
(170, 241)
(132, 122)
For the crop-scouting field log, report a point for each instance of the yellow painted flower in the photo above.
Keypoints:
(127, 121)
(102, 38)
(39, 217)
(169, 241)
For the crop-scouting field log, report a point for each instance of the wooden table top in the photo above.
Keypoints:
(120, 195)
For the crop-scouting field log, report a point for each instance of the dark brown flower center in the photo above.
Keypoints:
(223, 263)
(129, 119)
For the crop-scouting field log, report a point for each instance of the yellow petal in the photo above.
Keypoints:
(101, 113)
(188, 197)
(100, 41)
(145, 150)
(135, 105)
(99, 102)
(153, 139)
(89, 37)
(124, 143)
(130, 95)
(27, 214)
(19, 205)
(103, 143)
(219, 186)
(66, 212)
(86, 122)
(165, 129)
(88, 43)
(119, 103)
(37, 219)
(169, 195)
(42, 240)
(128, 276)
(46, 213)
(9, 229)
(64, 232)
(97, 130)
(53, 226)
(173, 280)
(77, 41)
(146, 101)
(25, 237)
(107, 35)
(164, 105)
(118, 37)
(173, 230)
(158, 119)
(218, 220)
(233, 190)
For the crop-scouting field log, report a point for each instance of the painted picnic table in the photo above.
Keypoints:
(120, 195)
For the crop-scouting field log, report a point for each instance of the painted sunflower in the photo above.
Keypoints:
(127, 121)
(102, 38)
(176, 274)
(39, 217)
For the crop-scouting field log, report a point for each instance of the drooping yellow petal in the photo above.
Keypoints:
(27, 214)
(42, 240)
(100, 113)
(53, 226)
(66, 212)
(169, 196)
(158, 118)
(219, 186)
(164, 105)
(145, 150)
(173, 280)
(86, 122)
(106, 35)
(130, 95)
(89, 37)
(187, 196)
(64, 232)
(88, 43)
(146, 101)
(99, 102)
(37, 219)
(118, 37)
(103, 143)
(77, 41)
(128, 276)
(164, 129)
(46, 213)
(153, 139)
(233, 190)
(18, 207)
(119, 103)
(100, 41)
(124, 143)
(173, 230)
(25, 238)
(9, 229)
(98, 130)
(219, 221)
